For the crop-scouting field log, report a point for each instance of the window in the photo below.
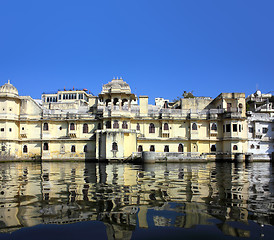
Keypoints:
(99, 126)
(213, 148)
(116, 124)
(138, 127)
(85, 128)
(108, 124)
(124, 101)
(108, 101)
(124, 125)
(152, 148)
(115, 101)
(258, 147)
(252, 146)
(166, 126)
(234, 127)
(227, 127)
(240, 127)
(114, 146)
(223, 128)
(229, 107)
(235, 147)
(240, 105)
(151, 128)
(250, 129)
(180, 147)
(46, 147)
(166, 149)
(3, 148)
(2, 129)
(25, 149)
(85, 148)
(60, 128)
(10, 129)
(194, 126)
(140, 148)
(46, 127)
(23, 128)
(265, 130)
(72, 126)
(214, 127)
(73, 148)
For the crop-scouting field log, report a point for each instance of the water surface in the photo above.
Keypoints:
(78, 200)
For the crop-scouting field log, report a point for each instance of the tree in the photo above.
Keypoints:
(188, 94)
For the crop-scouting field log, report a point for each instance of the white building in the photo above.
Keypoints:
(260, 118)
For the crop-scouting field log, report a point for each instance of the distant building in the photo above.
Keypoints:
(260, 118)
(118, 125)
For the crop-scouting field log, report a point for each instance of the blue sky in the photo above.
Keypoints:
(160, 47)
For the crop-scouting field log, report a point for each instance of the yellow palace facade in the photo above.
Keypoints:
(118, 125)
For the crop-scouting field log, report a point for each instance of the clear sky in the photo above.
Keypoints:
(160, 47)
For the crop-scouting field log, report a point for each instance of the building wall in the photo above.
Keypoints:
(26, 119)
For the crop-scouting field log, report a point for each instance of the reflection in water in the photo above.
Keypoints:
(126, 198)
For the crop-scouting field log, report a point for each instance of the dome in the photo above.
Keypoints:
(8, 88)
(258, 93)
(116, 85)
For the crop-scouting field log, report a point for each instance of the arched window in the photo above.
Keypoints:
(46, 127)
(85, 128)
(72, 126)
(213, 148)
(114, 146)
(181, 148)
(25, 149)
(115, 124)
(166, 149)
(151, 128)
(138, 127)
(124, 101)
(166, 126)
(108, 101)
(46, 147)
(108, 124)
(214, 127)
(252, 146)
(85, 148)
(152, 148)
(115, 101)
(235, 147)
(194, 126)
(140, 148)
(124, 125)
(73, 148)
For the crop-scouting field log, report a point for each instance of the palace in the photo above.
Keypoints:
(118, 125)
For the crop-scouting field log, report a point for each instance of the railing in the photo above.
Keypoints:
(66, 116)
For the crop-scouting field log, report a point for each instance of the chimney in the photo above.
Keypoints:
(143, 101)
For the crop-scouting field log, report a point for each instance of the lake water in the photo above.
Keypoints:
(78, 200)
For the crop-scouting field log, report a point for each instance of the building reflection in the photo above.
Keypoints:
(125, 197)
